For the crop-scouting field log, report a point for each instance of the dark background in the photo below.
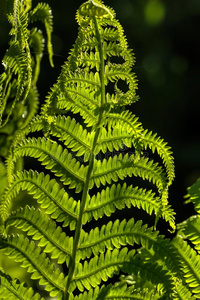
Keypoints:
(165, 37)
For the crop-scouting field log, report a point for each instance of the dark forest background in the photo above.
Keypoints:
(165, 37)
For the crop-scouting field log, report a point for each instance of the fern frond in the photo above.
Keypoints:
(74, 151)
(19, 20)
(147, 139)
(42, 12)
(42, 229)
(36, 41)
(119, 291)
(106, 202)
(12, 289)
(92, 294)
(53, 157)
(161, 252)
(18, 81)
(48, 194)
(190, 229)
(150, 271)
(16, 60)
(24, 251)
(129, 123)
(182, 292)
(123, 291)
(114, 235)
(119, 197)
(120, 167)
(189, 263)
(81, 87)
(124, 119)
(113, 75)
(89, 117)
(99, 268)
(95, 8)
(194, 195)
(32, 103)
(73, 135)
(117, 138)
(155, 143)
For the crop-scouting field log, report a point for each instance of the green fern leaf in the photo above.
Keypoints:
(42, 229)
(19, 20)
(22, 250)
(117, 138)
(18, 61)
(13, 290)
(52, 198)
(91, 274)
(118, 292)
(73, 135)
(124, 119)
(118, 197)
(120, 167)
(151, 271)
(155, 143)
(75, 89)
(36, 42)
(182, 292)
(53, 157)
(190, 229)
(122, 291)
(189, 264)
(114, 235)
(83, 120)
(42, 12)
(194, 195)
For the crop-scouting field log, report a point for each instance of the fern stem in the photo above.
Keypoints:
(90, 166)
(102, 66)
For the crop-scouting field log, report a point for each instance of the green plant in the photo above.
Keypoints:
(72, 243)
(18, 91)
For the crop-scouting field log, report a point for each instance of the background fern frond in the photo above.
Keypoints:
(151, 271)
(18, 92)
(17, 60)
(182, 292)
(42, 12)
(189, 264)
(13, 290)
(190, 229)
(36, 41)
(18, 17)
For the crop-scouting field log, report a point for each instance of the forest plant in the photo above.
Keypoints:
(18, 91)
(21, 62)
(83, 123)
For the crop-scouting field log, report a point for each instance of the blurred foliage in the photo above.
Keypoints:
(165, 37)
